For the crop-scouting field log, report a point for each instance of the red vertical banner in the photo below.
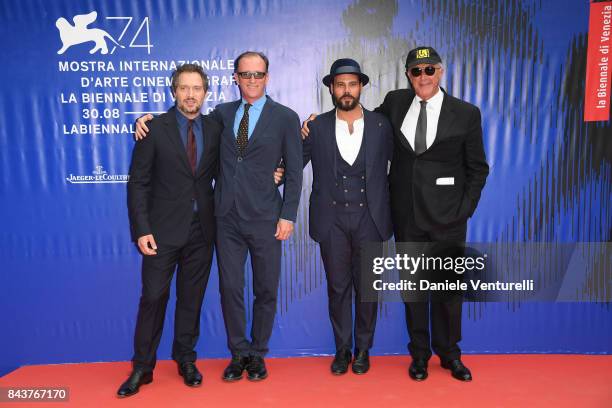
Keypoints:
(597, 89)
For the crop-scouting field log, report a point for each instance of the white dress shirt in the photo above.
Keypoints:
(434, 104)
(349, 143)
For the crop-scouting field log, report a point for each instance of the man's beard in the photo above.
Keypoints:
(184, 108)
(346, 105)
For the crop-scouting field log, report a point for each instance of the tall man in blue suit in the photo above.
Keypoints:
(252, 216)
(350, 148)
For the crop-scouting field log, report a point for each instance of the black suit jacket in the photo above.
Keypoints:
(247, 180)
(320, 148)
(162, 187)
(457, 152)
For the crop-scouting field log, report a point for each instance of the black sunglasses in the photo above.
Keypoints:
(252, 74)
(429, 71)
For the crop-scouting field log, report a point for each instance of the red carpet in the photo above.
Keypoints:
(499, 381)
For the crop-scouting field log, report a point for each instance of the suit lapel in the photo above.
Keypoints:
(399, 116)
(369, 134)
(172, 130)
(445, 121)
(228, 122)
(263, 121)
(329, 143)
(326, 144)
(207, 146)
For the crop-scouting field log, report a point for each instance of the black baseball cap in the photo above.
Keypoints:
(422, 55)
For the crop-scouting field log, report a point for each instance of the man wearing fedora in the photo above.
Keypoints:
(350, 148)
(437, 173)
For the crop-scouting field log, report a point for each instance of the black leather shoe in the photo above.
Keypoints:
(458, 370)
(418, 369)
(191, 375)
(361, 364)
(341, 362)
(133, 383)
(233, 372)
(256, 369)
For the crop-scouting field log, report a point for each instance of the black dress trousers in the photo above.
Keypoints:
(192, 263)
(443, 312)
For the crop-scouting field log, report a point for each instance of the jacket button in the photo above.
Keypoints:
(239, 159)
(333, 202)
(363, 177)
(343, 177)
(362, 190)
(346, 205)
(361, 204)
(346, 191)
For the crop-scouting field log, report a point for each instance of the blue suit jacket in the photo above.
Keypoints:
(320, 148)
(248, 180)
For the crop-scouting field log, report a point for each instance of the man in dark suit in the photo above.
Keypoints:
(171, 210)
(350, 148)
(252, 216)
(437, 174)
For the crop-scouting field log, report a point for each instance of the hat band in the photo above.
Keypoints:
(346, 69)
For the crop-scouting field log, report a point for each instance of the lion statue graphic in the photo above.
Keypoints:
(79, 33)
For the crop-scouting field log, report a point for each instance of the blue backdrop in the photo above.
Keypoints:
(69, 275)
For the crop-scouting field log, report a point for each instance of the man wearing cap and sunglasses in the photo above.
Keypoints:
(350, 149)
(437, 173)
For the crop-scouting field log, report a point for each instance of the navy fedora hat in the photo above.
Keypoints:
(345, 66)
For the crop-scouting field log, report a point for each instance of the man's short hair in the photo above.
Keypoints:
(188, 68)
(251, 54)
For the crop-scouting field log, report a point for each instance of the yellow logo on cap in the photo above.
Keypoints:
(424, 53)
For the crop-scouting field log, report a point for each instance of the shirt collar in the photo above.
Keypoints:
(258, 104)
(184, 120)
(342, 120)
(433, 102)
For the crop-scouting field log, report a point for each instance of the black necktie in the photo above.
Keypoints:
(420, 136)
(192, 150)
(243, 130)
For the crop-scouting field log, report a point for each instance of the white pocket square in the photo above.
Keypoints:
(445, 181)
